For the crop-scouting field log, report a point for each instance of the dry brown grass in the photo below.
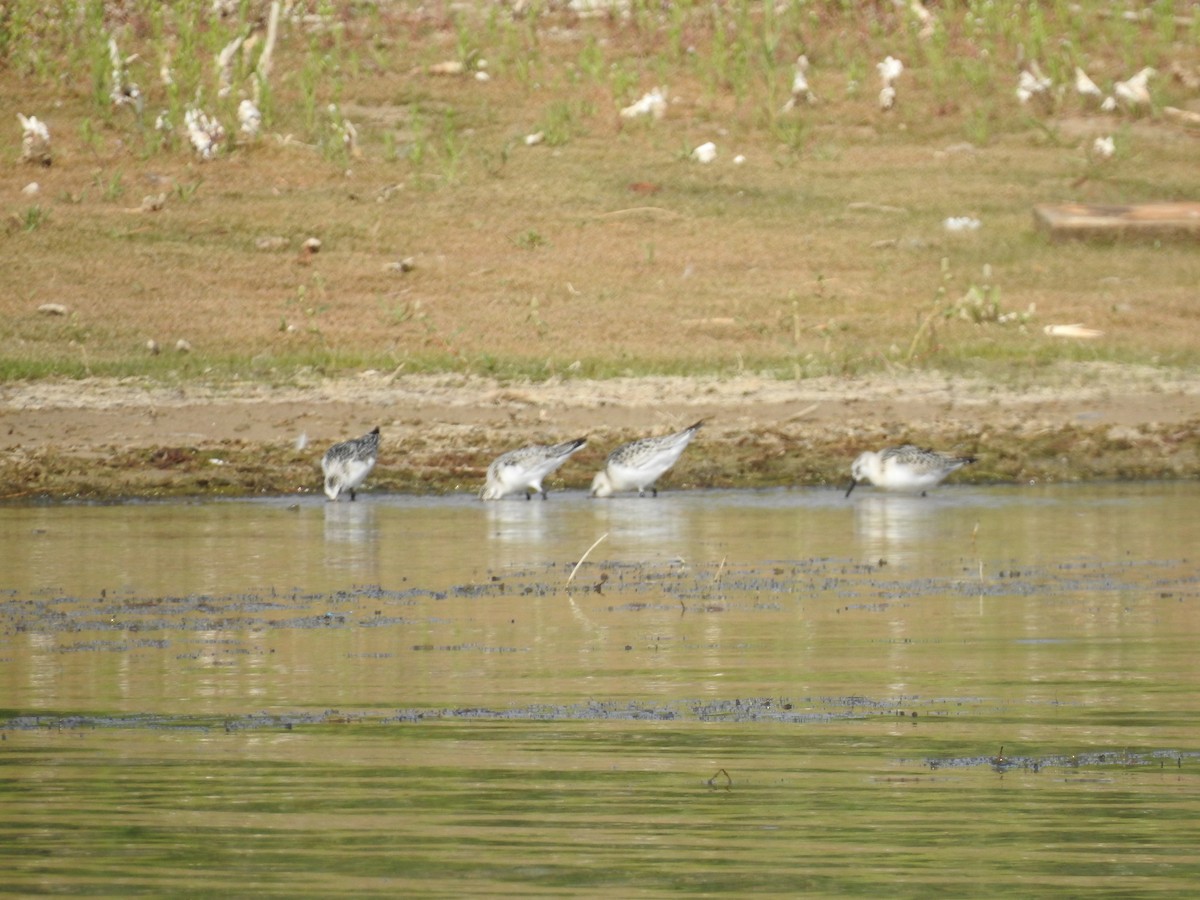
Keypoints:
(609, 250)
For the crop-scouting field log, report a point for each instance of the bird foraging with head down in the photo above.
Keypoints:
(906, 468)
(638, 464)
(523, 469)
(346, 465)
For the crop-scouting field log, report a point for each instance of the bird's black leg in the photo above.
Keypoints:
(352, 495)
(654, 492)
(544, 494)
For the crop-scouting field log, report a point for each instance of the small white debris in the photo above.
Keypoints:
(962, 148)
(183, 346)
(153, 202)
(1183, 116)
(705, 153)
(311, 245)
(1032, 82)
(1109, 104)
(450, 67)
(652, 103)
(162, 123)
(152, 347)
(739, 160)
(925, 17)
(800, 88)
(403, 265)
(216, 461)
(1075, 330)
(1188, 77)
(204, 132)
(249, 118)
(35, 140)
(225, 66)
(31, 189)
(344, 129)
(350, 138)
(1104, 147)
(1084, 85)
(961, 223)
(1134, 91)
(870, 206)
(532, 140)
(591, 9)
(270, 242)
(386, 193)
(53, 309)
(122, 93)
(889, 70)
(301, 441)
(800, 78)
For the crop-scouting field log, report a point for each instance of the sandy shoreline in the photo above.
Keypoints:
(59, 438)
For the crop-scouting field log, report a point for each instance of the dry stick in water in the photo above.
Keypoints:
(719, 773)
(571, 577)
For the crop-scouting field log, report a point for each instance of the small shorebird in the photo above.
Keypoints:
(638, 464)
(907, 468)
(524, 469)
(347, 465)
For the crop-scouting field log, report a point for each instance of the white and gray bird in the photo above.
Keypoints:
(638, 464)
(906, 468)
(523, 469)
(347, 465)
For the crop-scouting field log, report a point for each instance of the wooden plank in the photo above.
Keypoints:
(1084, 220)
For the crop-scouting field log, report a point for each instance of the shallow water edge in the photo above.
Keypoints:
(986, 692)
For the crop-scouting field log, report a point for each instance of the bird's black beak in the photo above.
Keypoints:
(853, 484)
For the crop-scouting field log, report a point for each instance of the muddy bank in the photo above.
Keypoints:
(108, 439)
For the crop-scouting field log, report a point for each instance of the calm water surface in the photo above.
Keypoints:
(984, 692)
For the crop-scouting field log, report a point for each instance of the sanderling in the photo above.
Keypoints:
(347, 465)
(638, 464)
(524, 469)
(907, 468)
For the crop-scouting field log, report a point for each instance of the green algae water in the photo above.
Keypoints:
(982, 692)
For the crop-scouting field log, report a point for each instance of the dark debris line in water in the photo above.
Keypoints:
(755, 709)
(737, 711)
(671, 585)
(861, 587)
(1003, 763)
